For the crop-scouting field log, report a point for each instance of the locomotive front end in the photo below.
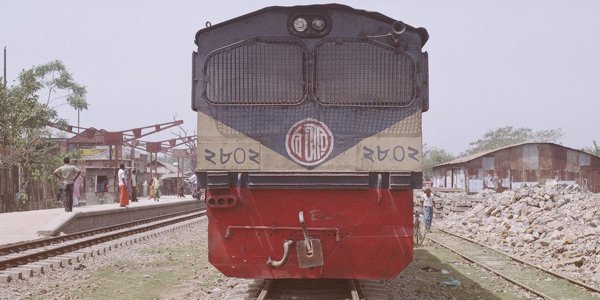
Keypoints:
(309, 141)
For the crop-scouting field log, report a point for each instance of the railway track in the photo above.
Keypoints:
(542, 282)
(24, 259)
(312, 289)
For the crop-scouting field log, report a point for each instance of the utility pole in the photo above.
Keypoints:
(4, 66)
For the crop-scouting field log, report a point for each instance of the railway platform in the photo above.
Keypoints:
(23, 226)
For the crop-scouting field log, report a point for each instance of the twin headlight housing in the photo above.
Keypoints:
(309, 25)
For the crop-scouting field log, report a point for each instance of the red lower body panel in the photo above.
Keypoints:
(361, 237)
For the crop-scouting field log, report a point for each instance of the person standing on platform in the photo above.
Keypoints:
(194, 186)
(145, 188)
(134, 186)
(68, 173)
(151, 195)
(77, 190)
(180, 190)
(128, 182)
(123, 194)
(156, 187)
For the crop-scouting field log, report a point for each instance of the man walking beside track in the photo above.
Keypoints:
(68, 173)
(427, 201)
(123, 194)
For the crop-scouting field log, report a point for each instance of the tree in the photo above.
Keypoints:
(58, 84)
(593, 150)
(508, 135)
(23, 121)
(191, 145)
(432, 157)
(23, 118)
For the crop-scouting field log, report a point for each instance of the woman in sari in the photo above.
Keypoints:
(123, 194)
(77, 190)
(151, 194)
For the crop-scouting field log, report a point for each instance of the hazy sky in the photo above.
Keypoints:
(522, 63)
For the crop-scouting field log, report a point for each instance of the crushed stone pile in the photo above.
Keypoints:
(555, 226)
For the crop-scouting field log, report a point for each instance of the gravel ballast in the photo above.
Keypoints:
(174, 265)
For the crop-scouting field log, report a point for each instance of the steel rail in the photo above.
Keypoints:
(572, 280)
(93, 240)
(499, 273)
(264, 291)
(354, 289)
(28, 245)
(508, 278)
(351, 289)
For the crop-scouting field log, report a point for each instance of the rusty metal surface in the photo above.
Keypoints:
(309, 259)
(343, 220)
(524, 163)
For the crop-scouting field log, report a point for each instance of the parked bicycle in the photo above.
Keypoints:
(419, 230)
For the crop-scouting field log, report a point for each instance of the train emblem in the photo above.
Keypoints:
(309, 142)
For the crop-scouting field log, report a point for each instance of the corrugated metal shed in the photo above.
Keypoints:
(512, 166)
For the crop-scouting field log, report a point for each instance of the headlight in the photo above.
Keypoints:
(300, 24)
(318, 24)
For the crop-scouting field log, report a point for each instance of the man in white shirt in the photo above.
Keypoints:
(427, 202)
(193, 179)
(68, 173)
(123, 194)
(193, 185)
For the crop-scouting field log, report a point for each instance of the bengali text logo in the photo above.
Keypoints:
(309, 142)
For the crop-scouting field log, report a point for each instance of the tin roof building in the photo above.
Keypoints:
(512, 166)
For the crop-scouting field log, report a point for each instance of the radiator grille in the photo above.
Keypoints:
(256, 71)
(361, 72)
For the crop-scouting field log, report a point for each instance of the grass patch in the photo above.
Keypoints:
(162, 269)
(474, 282)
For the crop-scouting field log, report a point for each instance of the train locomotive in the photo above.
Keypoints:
(309, 141)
